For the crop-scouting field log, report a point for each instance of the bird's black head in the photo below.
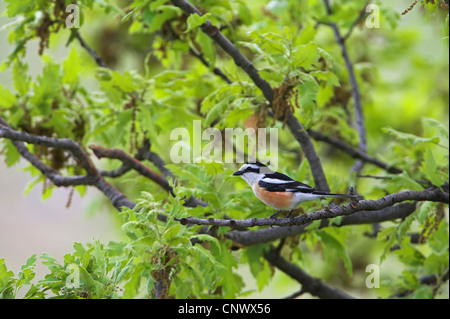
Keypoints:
(251, 167)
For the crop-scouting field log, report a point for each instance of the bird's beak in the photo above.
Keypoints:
(238, 173)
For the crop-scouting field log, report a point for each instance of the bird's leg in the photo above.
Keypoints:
(289, 215)
(274, 216)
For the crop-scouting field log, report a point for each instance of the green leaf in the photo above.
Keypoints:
(171, 232)
(194, 21)
(132, 285)
(6, 277)
(203, 253)
(244, 12)
(439, 240)
(423, 292)
(211, 239)
(404, 227)
(326, 76)
(430, 127)
(308, 33)
(389, 235)
(31, 262)
(125, 82)
(95, 287)
(208, 48)
(159, 15)
(410, 139)
(431, 169)
(308, 91)
(12, 156)
(408, 254)
(436, 264)
(403, 180)
(218, 109)
(264, 276)
(7, 99)
(15, 7)
(72, 67)
(48, 84)
(143, 243)
(332, 243)
(306, 55)
(20, 78)
(254, 256)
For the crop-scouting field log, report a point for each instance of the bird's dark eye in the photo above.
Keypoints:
(252, 169)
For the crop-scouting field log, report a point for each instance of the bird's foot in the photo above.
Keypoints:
(274, 216)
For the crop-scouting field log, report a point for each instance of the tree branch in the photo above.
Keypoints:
(359, 114)
(133, 163)
(89, 50)
(353, 152)
(355, 22)
(92, 177)
(436, 195)
(264, 235)
(77, 152)
(310, 284)
(308, 148)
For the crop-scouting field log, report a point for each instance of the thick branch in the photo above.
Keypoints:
(436, 195)
(310, 284)
(258, 236)
(77, 152)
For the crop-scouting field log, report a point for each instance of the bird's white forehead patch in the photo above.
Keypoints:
(262, 169)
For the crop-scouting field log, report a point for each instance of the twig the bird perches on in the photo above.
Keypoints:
(265, 235)
(436, 195)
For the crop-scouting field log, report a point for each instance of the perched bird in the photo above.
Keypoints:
(279, 191)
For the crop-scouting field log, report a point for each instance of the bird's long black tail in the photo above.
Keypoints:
(325, 194)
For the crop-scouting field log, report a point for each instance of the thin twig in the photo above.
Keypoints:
(102, 152)
(353, 152)
(355, 22)
(91, 51)
(359, 114)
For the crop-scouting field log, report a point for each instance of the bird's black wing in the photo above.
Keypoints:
(278, 182)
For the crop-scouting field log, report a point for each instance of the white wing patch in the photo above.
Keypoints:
(276, 181)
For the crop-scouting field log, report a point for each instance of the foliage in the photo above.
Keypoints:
(169, 88)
